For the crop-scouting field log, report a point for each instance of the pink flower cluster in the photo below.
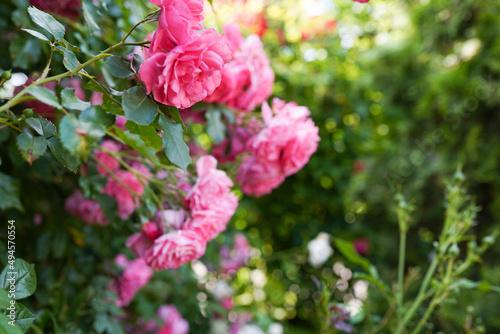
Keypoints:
(280, 149)
(136, 274)
(248, 79)
(174, 323)
(183, 65)
(176, 237)
(123, 185)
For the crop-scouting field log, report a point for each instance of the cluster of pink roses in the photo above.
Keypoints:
(280, 149)
(136, 274)
(122, 185)
(248, 79)
(183, 64)
(176, 237)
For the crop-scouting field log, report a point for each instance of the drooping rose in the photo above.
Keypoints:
(106, 159)
(136, 274)
(189, 72)
(125, 199)
(174, 249)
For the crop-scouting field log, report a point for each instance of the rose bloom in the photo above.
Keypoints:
(257, 177)
(189, 72)
(248, 79)
(174, 323)
(210, 200)
(69, 8)
(125, 200)
(87, 210)
(177, 21)
(136, 275)
(107, 160)
(174, 249)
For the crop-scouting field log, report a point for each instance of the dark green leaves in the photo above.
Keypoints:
(136, 62)
(78, 135)
(24, 317)
(42, 126)
(6, 328)
(62, 155)
(31, 148)
(4, 299)
(139, 107)
(9, 192)
(71, 101)
(176, 149)
(47, 22)
(119, 67)
(24, 279)
(69, 59)
(215, 127)
(90, 14)
(147, 133)
(348, 251)
(44, 95)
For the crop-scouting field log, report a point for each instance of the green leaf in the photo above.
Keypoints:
(228, 114)
(96, 115)
(44, 95)
(176, 149)
(108, 206)
(111, 105)
(5, 328)
(4, 299)
(136, 62)
(24, 52)
(42, 126)
(77, 136)
(47, 22)
(9, 192)
(464, 283)
(69, 59)
(31, 147)
(119, 67)
(62, 155)
(71, 101)
(22, 275)
(147, 133)
(138, 144)
(174, 113)
(95, 86)
(215, 127)
(36, 34)
(90, 14)
(138, 106)
(24, 317)
(348, 251)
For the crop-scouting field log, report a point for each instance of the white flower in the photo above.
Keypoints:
(275, 328)
(319, 250)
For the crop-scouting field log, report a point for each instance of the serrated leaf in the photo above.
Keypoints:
(176, 148)
(44, 95)
(97, 116)
(90, 14)
(138, 106)
(215, 127)
(174, 113)
(5, 328)
(119, 67)
(69, 59)
(9, 192)
(36, 34)
(71, 101)
(63, 155)
(95, 86)
(147, 133)
(111, 105)
(24, 279)
(135, 142)
(136, 62)
(77, 136)
(31, 147)
(42, 126)
(47, 22)
(24, 317)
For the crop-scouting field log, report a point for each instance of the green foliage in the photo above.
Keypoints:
(69, 59)
(44, 95)
(119, 67)
(25, 278)
(47, 22)
(31, 148)
(215, 127)
(176, 149)
(42, 126)
(138, 106)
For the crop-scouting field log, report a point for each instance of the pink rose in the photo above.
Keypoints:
(139, 244)
(258, 178)
(174, 323)
(136, 275)
(189, 72)
(177, 21)
(125, 199)
(106, 159)
(237, 144)
(88, 211)
(248, 79)
(174, 249)
(170, 218)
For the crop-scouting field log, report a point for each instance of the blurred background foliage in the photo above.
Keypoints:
(402, 91)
